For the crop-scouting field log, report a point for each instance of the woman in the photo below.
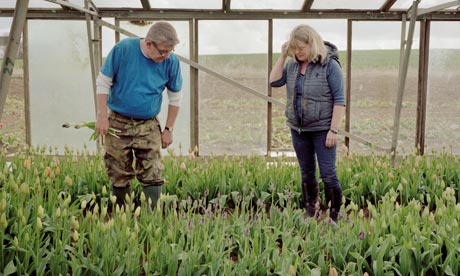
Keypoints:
(314, 107)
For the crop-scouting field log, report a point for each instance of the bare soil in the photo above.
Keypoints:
(231, 112)
(13, 131)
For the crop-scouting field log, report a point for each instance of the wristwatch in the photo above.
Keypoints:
(169, 129)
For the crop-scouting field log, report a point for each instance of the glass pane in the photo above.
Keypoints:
(233, 121)
(402, 5)
(5, 23)
(406, 4)
(267, 4)
(182, 125)
(42, 4)
(443, 112)
(349, 4)
(118, 3)
(32, 4)
(60, 87)
(432, 3)
(374, 86)
(186, 4)
(334, 31)
(8, 4)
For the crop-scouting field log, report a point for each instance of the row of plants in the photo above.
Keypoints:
(228, 216)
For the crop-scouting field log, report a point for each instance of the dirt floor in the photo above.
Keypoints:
(226, 111)
(13, 131)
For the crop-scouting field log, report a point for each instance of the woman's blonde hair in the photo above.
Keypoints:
(306, 34)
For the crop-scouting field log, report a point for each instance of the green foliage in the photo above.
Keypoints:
(228, 216)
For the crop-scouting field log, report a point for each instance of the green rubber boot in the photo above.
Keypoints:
(154, 193)
(120, 193)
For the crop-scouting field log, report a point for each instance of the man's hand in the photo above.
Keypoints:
(166, 138)
(102, 124)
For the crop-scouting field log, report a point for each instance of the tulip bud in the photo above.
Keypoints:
(3, 222)
(47, 172)
(96, 209)
(333, 271)
(142, 197)
(40, 211)
(3, 205)
(75, 236)
(113, 199)
(157, 232)
(58, 212)
(74, 222)
(39, 223)
(390, 175)
(103, 212)
(137, 213)
(68, 181)
(27, 164)
(24, 189)
(16, 242)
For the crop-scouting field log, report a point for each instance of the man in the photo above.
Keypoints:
(129, 97)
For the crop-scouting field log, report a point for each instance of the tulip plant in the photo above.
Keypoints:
(226, 215)
(92, 125)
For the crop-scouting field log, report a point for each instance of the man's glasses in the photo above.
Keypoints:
(162, 52)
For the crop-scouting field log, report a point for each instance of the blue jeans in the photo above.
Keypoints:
(310, 146)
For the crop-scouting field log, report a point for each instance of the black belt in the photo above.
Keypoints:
(118, 115)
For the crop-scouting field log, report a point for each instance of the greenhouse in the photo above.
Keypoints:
(232, 201)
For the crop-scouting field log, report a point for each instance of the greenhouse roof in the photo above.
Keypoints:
(353, 9)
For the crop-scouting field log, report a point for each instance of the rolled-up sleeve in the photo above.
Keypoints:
(281, 81)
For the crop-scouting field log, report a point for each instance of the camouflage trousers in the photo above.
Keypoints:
(136, 153)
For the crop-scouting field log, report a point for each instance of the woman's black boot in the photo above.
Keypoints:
(310, 198)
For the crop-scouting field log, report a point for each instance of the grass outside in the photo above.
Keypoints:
(376, 59)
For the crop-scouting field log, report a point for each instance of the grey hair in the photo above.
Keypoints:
(163, 32)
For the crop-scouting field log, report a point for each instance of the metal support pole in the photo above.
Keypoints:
(19, 19)
(348, 83)
(402, 79)
(91, 54)
(269, 88)
(422, 86)
(194, 87)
